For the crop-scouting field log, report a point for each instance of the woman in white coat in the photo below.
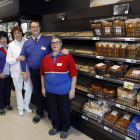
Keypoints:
(14, 58)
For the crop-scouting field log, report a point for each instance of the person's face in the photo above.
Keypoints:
(35, 28)
(17, 35)
(56, 45)
(3, 41)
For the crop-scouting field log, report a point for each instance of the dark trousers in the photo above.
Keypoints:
(5, 91)
(59, 111)
(36, 80)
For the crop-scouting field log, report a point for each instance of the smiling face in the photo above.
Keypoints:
(17, 35)
(35, 28)
(3, 41)
(56, 45)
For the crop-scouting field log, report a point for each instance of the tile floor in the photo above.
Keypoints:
(15, 127)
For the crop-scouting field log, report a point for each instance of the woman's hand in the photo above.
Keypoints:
(2, 76)
(71, 94)
(44, 92)
(65, 51)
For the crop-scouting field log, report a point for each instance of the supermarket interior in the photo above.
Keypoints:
(104, 41)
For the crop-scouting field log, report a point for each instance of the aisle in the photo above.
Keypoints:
(15, 127)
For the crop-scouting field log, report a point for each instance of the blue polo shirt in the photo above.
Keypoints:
(58, 71)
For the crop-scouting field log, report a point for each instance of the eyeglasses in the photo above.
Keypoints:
(35, 27)
(57, 42)
(17, 33)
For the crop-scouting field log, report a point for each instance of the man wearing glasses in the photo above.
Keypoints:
(34, 51)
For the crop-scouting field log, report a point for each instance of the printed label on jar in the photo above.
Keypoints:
(114, 113)
(107, 30)
(126, 116)
(98, 32)
(118, 30)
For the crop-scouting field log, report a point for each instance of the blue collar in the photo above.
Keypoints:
(56, 55)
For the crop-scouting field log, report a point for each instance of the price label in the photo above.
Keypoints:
(129, 39)
(95, 38)
(130, 61)
(127, 138)
(128, 85)
(99, 57)
(120, 106)
(108, 129)
(90, 95)
(84, 117)
(98, 77)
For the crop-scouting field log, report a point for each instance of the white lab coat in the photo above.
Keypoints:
(13, 52)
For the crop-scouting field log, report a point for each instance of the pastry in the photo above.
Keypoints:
(132, 51)
(100, 69)
(116, 48)
(99, 48)
(109, 92)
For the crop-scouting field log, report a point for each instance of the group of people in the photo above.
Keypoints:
(42, 64)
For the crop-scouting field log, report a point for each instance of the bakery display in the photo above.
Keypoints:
(116, 71)
(112, 117)
(132, 51)
(100, 69)
(126, 96)
(96, 110)
(123, 122)
(109, 92)
(96, 89)
(130, 28)
(133, 75)
(133, 129)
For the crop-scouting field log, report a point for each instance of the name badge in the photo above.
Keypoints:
(43, 48)
(59, 64)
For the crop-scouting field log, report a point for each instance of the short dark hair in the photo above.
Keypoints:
(35, 20)
(14, 29)
(56, 36)
(4, 34)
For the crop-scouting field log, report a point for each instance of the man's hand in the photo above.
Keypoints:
(2, 76)
(44, 92)
(65, 51)
(25, 77)
(71, 94)
(20, 58)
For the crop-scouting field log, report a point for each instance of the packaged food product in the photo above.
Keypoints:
(116, 48)
(130, 24)
(132, 51)
(104, 48)
(138, 99)
(109, 92)
(110, 49)
(99, 48)
(137, 27)
(133, 129)
(100, 69)
(122, 52)
(126, 96)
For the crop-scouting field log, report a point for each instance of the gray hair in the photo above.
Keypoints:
(56, 36)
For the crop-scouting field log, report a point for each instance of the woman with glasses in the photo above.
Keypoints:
(14, 58)
(58, 77)
(5, 79)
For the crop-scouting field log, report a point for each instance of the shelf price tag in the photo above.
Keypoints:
(130, 61)
(128, 85)
(98, 77)
(99, 57)
(84, 117)
(95, 38)
(120, 106)
(129, 39)
(108, 129)
(90, 95)
(127, 138)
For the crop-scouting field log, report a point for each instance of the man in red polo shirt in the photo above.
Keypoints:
(58, 77)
